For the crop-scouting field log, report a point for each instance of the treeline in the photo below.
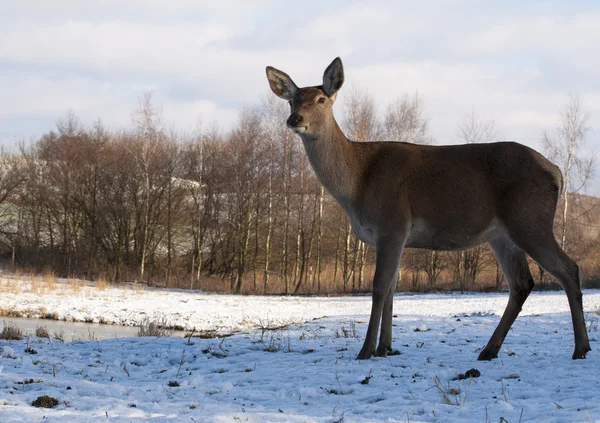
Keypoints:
(236, 212)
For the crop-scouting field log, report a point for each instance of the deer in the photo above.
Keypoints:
(450, 197)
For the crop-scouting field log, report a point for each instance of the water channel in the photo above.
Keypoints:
(72, 331)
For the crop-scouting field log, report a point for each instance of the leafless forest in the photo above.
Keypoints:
(241, 211)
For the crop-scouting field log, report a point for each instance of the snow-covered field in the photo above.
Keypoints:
(292, 360)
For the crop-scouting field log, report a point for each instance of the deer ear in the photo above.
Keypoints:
(281, 84)
(333, 78)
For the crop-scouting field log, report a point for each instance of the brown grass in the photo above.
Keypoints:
(12, 312)
(101, 284)
(12, 285)
(75, 285)
(47, 283)
(18, 272)
(149, 327)
(42, 332)
(11, 332)
(59, 335)
(138, 289)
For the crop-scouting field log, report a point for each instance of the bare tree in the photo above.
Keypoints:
(566, 146)
(474, 129)
(406, 121)
(12, 177)
(287, 170)
(193, 158)
(360, 120)
(148, 121)
(244, 156)
(433, 267)
(318, 264)
(275, 131)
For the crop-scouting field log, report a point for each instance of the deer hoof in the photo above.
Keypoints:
(580, 354)
(365, 354)
(487, 355)
(383, 351)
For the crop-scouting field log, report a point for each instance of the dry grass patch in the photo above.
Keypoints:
(75, 285)
(451, 395)
(18, 272)
(44, 283)
(159, 329)
(13, 286)
(138, 289)
(48, 283)
(59, 335)
(42, 332)
(11, 312)
(11, 332)
(101, 284)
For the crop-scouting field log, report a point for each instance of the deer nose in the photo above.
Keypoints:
(294, 120)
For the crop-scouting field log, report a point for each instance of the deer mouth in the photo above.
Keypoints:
(298, 129)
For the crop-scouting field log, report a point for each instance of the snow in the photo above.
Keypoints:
(291, 359)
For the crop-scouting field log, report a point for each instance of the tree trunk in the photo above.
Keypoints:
(347, 272)
(319, 240)
(269, 219)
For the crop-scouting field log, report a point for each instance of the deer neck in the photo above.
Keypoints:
(336, 163)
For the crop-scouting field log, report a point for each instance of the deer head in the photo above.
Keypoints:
(311, 108)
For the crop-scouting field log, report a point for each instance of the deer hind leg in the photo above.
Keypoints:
(514, 266)
(387, 262)
(385, 337)
(548, 254)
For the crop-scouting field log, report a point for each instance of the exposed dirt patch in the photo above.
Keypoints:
(45, 402)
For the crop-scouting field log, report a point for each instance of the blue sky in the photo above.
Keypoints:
(513, 62)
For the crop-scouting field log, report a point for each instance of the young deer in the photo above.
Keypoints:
(400, 195)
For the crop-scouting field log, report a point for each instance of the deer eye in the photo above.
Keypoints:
(321, 100)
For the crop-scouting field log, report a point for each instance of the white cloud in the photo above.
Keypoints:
(554, 35)
(186, 116)
(113, 47)
(44, 101)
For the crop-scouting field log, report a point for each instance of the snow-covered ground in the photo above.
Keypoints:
(303, 372)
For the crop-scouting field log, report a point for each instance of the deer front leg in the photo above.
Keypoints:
(387, 262)
(385, 336)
